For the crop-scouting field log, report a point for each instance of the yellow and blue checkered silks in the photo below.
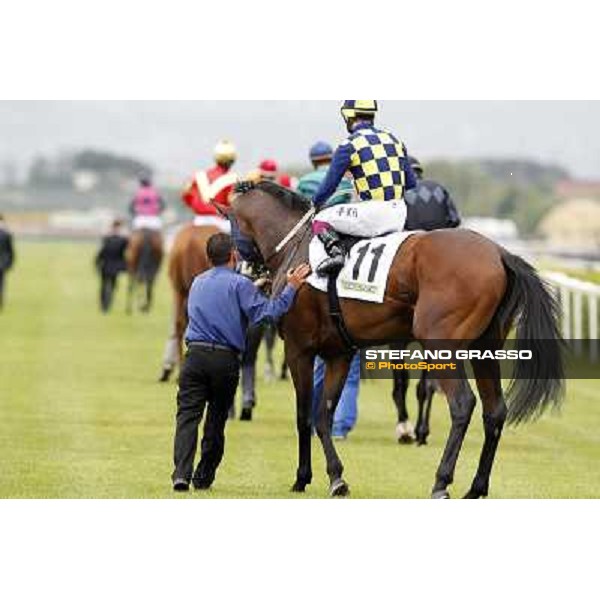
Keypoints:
(376, 164)
(350, 108)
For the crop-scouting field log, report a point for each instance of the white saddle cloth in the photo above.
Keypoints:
(147, 222)
(212, 220)
(365, 275)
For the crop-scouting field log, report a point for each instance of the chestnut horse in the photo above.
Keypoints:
(187, 259)
(144, 256)
(443, 285)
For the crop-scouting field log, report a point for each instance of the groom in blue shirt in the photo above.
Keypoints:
(221, 306)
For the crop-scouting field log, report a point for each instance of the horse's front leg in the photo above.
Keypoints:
(336, 371)
(301, 369)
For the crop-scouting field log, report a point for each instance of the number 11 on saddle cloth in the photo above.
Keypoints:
(364, 276)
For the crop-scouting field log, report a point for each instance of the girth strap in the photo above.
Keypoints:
(335, 311)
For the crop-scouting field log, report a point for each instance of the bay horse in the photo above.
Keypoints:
(144, 256)
(187, 259)
(443, 285)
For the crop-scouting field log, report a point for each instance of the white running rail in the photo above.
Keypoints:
(571, 293)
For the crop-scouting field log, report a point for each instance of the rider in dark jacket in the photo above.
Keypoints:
(429, 205)
(7, 255)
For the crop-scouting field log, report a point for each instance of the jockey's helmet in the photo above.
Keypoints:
(268, 168)
(225, 153)
(352, 109)
(321, 151)
(145, 180)
(415, 165)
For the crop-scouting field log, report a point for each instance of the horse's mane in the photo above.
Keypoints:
(289, 198)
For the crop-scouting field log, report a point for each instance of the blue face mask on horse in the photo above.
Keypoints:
(246, 247)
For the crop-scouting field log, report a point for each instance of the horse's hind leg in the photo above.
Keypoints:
(461, 401)
(147, 300)
(425, 391)
(130, 294)
(487, 374)
(336, 371)
(149, 294)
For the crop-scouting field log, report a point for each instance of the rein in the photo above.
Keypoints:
(297, 227)
(281, 272)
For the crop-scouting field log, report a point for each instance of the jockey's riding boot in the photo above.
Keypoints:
(336, 252)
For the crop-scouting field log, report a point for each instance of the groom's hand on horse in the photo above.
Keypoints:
(296, 277)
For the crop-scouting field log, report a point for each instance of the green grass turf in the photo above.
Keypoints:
(83, 416)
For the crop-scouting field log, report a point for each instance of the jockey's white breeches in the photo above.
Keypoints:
(205, 220)
(147, 222)
(365, 219)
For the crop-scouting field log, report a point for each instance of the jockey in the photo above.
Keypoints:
(377, 162)
(429, 205)
(146, 206)
(213, 185)
(320, 156)
(266, 171)
(287, 181)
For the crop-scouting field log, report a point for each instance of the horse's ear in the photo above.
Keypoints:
(243, 187)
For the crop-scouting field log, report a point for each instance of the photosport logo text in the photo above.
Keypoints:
(440, 362)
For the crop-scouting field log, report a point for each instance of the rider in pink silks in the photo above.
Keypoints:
(147, 206)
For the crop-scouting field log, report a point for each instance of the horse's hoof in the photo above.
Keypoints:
(339, 489)
(421, 441)
(474, 495)
(246, 414)
(405, 440)
(299, 487)
(440, 495)
(405, 433)
(166, 374)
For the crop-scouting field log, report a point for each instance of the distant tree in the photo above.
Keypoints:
(505, 189)
(111, 170)
(39, 172)
(106, 162)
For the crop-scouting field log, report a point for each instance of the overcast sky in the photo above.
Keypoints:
(177, 137)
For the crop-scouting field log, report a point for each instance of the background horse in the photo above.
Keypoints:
(144, 256)
(443, 285)
(187, 259)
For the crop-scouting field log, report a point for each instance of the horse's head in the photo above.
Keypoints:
(261, 215)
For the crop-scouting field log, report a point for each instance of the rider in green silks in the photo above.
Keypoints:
(320, 156)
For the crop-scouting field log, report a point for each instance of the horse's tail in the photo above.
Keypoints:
(537, 383)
